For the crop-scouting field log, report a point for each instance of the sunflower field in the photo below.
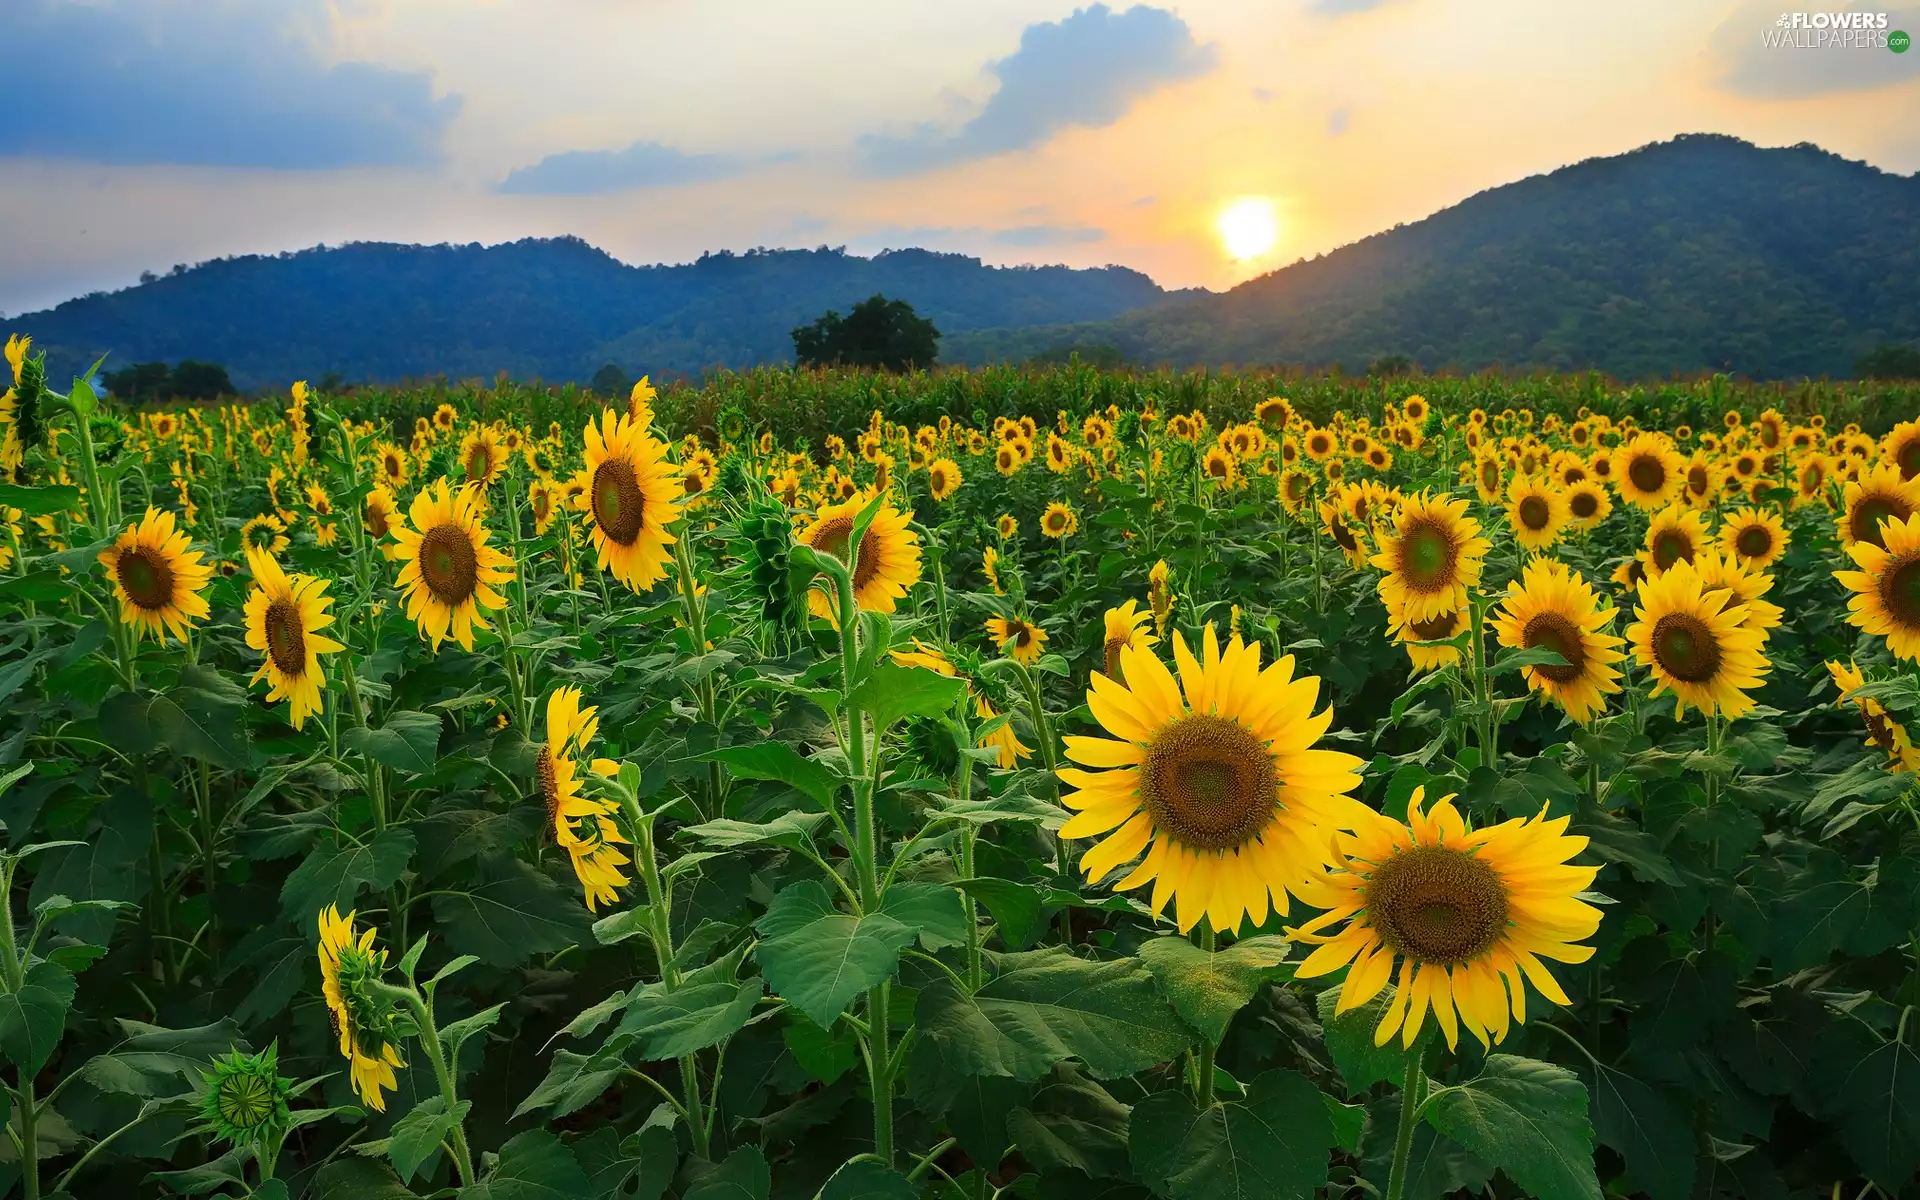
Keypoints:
(1040, 785)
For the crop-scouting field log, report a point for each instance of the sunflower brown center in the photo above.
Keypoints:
(1647, 473)
(833, 537)
(547, 775)
(1535, 513)
(146, 578)
(478, 462)
(1755, 541)
(1697, 480)
(1908, 456)
(286, 636)
(618, 503)
(1433, 904)
(448, 565)
(1671, 546)
(1900, 591)
(1685, 648)
(1342, 534)
(1583, 505)
(1113, 648)
(1427, 556)
(1209, 783)
(376, 518)
(1870, 512)
(1555, 632)
(1436, 628)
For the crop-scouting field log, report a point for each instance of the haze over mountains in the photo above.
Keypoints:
(1702, 253)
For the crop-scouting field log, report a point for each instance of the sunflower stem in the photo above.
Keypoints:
(1403, 1136)
(1203, 1061)
(443, 1075)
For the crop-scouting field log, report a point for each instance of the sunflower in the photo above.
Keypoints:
(1489, 475)
(1007, 526)
(1549, 606)
(378, 511)
(444, 418)
(1676, 535)
(264, 532)
(1468, 913)
(1883, 730)
(888, 562)
(1536, 510)
(1123, 629)
(284, 617)
(1886, 600)
(1431, 558)
(1007, 459)
(1335, 469)
(1878, 496)
(481, 456)
(1702, 479)
(1059, 520)
(1648, 471)
(990, 567)
(1412, 634)
(1900, 449)
(1320, 445)
(155, 577)
(929, 658)
(361, 1013)
(391, 464)
(1810, 479)
(1019, 639)
(943, 478)
(1697, 643)
(1214, 777)
(1587, 505)
(1754, 536)
(581, 825)
(632, 495)
(1352, 541)
(1296, 489)
(1275, 412)
(449, 569)
(1004, 739)
(1160, 595)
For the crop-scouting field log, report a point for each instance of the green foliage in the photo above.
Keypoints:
(878, 332)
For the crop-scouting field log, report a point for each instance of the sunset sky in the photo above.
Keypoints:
(142, 133)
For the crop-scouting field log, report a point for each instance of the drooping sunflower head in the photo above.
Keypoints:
(1648, 471)
(1675, 535)
(1018, 638)
(888, 561)
(449, 571)
(362, 1015)
(1878, 496)
(632, 494)
(1339, 526)
(1697, 643)
(1125, 626)
(1884, 731)
(1467, 914)
(1431, 557)
(1754, 536)
(1550, 607)
(1536, 510)
(1214, 777)
(1886, 587)
(156, 578)
(943, 478)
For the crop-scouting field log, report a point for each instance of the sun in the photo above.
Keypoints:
(1248, 227)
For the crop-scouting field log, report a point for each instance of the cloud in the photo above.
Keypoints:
(1748, 66)
(1341, 8)
(599, 172)
(1049, 235)
(1086, 70)
(231, 83)
(1337, 122)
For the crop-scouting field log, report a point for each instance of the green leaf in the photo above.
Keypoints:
(1014, 906)
(573, 1081)
(33, 1019)
(408, 742)
(230, 1167)
(789, 829)
(825, 1054)
(533, 1166)
(336, 874)
(156, 1063)
(203, 717)
(513, 913)
(1207, 989)
(1437, 1166)
(1275, 1143)
(1537, 656)
(417, 1135)
(1530, 1117)
(744, 1176)
(41, 587)
(1350, 1041)
(699, 1014)
(638, 1168)
(359, 1179)
(818, 958)
(1874, 1100)
(111, 865)
(780, 763)
(1651, 1132)
(1617, 840)
(1048, 1005)
(933, 910)
(1349, 1120)
(1072, 1124)
(893, 693)
(39, 501)
(865, 1179)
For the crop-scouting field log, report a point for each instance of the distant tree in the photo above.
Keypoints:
(194, 380)
(1890, 360)
(610, 380)
(332, 381)
(140, 382)
(1390, 364)
(1102, 356)
(878, 333)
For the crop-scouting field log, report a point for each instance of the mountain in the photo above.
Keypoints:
(1704, 253)
(557, 309)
